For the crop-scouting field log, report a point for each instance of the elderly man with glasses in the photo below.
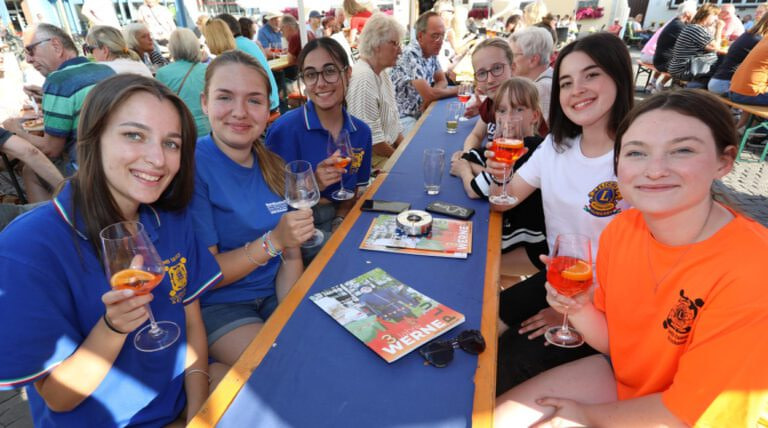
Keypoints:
(531, 50)
(418, 78)
(68, 79)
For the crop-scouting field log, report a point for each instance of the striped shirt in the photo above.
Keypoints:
(691, 42)
(371, 98)
(64, 91)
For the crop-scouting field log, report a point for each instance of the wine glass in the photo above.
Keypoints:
(465, 93)
(507, 148)
(301, 192)
(341, 143)
(570, 273)
(131, 261)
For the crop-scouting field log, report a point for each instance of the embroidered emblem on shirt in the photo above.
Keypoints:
(357, 159)
(604, 200)
(277, 207)
(177, 273)
(680, 319)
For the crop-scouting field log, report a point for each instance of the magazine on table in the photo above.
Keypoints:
(388, 316)
(448, 238)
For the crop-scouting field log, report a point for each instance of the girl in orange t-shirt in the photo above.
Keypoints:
(681, 328)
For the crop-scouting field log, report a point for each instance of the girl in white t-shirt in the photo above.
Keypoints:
(573, 167)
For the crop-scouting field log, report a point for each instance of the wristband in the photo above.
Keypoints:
(269, 246)
(198, 371)
(110, 326)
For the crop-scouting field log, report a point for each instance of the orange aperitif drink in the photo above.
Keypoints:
(570, 276)
(507, 150)
(464, 97)
(343, 161)
(141, 282)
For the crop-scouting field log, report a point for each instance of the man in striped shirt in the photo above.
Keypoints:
(68, 79)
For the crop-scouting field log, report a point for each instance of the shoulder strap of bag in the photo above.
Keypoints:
(178, 91)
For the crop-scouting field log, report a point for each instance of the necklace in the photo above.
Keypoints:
(658, 281)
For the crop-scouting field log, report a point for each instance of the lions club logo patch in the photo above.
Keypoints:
(679, 321)
(176, 267)
(604, 200)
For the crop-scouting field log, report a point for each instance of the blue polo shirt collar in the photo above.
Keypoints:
(312, 122)
(73, 61)
(63, 204)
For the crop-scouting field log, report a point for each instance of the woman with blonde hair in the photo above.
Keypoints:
(358, 15)
(139, 40)
(108, 46)
(186, 74)
(218, 36)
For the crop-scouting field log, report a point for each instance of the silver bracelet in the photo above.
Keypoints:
(195, 371)
(248, 254)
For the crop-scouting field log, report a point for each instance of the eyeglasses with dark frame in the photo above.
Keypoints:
(439, 353)
(30, 50)
(330, 73)
(496, 69)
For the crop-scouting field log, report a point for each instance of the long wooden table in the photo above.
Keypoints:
(481, 414)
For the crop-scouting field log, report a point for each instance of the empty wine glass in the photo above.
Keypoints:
(301, 192)
(342, 144)
(131, 261)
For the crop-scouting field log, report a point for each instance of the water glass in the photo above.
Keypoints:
(434, 164)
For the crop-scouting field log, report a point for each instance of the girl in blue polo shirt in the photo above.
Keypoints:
(303, 133)
(65, 332)
(239, 210)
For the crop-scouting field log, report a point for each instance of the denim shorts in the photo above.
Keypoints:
(221, 318)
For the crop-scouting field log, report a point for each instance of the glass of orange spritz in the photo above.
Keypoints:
(131, 261)
(344, 147)
(507, 148)
(570, 273)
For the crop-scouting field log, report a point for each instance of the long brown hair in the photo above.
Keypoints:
(612, 56)
(270, 163)
(91, 194)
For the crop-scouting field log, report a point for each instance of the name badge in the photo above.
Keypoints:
(277, 207)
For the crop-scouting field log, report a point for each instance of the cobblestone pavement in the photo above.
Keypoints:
(745, 188)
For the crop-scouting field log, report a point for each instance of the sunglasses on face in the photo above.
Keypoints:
(30, 50)
(496, 69)
(439, 353)
(88, 49)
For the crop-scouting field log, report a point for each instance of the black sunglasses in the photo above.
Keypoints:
(30, 50)
(439, 353)
(88, 49)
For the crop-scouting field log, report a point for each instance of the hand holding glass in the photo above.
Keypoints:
(301, 192)
(131, 261)
(570, 273)
(342, 145)
(507, 148)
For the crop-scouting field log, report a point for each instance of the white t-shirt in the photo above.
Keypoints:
(579, 194)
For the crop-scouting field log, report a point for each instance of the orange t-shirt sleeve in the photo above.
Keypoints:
(725, 362)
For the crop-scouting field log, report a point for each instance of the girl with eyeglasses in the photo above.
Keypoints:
(303, 133)
(573, 170)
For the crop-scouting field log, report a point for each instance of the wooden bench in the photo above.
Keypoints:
(648, 69)
(759, 111)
